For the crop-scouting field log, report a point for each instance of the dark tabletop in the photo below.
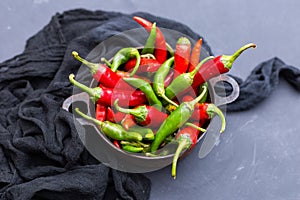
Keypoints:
(259, 154)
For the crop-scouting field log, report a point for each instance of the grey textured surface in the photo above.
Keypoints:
(259, 153)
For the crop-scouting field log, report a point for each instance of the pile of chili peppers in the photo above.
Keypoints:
(147, 98)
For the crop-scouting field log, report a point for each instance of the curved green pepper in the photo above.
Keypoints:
(145, 87)
(175, 120)
(150, 43)
(123, 55)
(183, 81)
(112, 130)
(159, 80)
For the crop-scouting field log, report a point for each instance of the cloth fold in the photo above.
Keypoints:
(41, 154)
(262, 81)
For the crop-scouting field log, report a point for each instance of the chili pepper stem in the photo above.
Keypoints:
(106, 61)
(136, 53)
(148, 56)
(213, 109)
(193, 73)
(92, 66)
(196, 127)
(88, 117)
(228, 60)
(197, 99)
(140, 112)
(206, 94)
(170, 49)
(94, 93)
(168, 100)
(184, 143)
(142, 144)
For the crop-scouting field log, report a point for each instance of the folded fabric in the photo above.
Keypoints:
(262, 81)
(41, 154)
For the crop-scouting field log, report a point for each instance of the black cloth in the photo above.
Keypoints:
(41, 154)
(262, 81)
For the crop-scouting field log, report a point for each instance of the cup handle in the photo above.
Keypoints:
(218, 100)
(80, 97)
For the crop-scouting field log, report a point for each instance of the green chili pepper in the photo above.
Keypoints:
(146, 133)
(132, 149)
(175, 120)
(145, 87)
(159, 78)
(112, 130)
(135, 144)
(150, 43)
(183, 81)
(123, 55)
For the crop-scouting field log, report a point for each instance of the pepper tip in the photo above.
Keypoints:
(74, 53)
(71, 77)
(253, 45)
(77, 110)
(116, 103)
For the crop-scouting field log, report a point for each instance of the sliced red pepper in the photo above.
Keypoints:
(195, 56)
(182, 56)
(160, 51)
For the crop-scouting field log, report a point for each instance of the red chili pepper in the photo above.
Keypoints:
(115, 117)
(182, 56)
(186, 139)
(101, 112)
(183, 81)
(116, 143)
(128, 121)
(195, 56)
(160, 51)
(105, 75)
(204, 111)
(146, 65)
(144, 115)
(217, 66)
(106, 96)
(168, 79)
(187, 98)
(124, 74)
(110, 116)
